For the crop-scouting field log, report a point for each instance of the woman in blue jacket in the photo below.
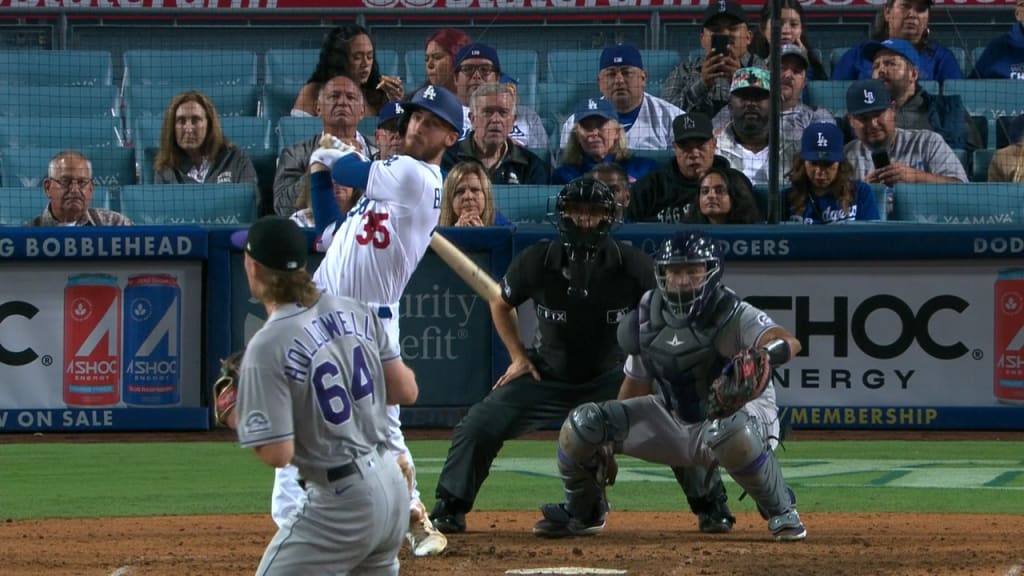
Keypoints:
(824, 191)
(1004, 55)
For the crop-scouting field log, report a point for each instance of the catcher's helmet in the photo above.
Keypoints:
(585, 212)
(438, 101)
(688, 294)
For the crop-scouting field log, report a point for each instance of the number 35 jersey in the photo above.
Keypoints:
(315, 375)
(374, 252)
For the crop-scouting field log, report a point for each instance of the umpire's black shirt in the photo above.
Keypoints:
(576, 336)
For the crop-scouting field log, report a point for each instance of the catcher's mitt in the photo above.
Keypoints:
(225, 389)
(743, 379)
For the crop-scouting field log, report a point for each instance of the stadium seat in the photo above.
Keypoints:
(990, 98)
(27, 167)
(248, 132)
(265, 163)
(20, 205)
(278, 100)
(965, 159)
(1004, 135)
(367, 126)
(153, 100)
(68, 132)
(830, 94)
(524, 203)
(387, 62)
(974, 203)
(206, 204)
(658, 64)
(980, 162)
(415, 75)
(880, 201)
(189, 69)
(961, 59)
(558, 99)
(573, 66)
(661, 156)
(292, 129)
(55, 68)
(519, 64)
(59, 101)
(975, 54)
(834, 56)
(289, 66)
(144, 131)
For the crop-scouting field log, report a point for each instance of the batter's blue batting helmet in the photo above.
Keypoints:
(438, 101)
(683, 249)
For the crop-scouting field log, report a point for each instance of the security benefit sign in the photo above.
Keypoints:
(445, 330)
(97, 346)
(893, 344)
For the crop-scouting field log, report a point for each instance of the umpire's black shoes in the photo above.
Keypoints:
(559, 523)
(447, 517)
(712, 524)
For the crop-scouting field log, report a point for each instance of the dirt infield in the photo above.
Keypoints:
(640, 543)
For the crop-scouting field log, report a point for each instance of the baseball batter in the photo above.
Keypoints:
(374, 249)
(312, 390)
(680, 338)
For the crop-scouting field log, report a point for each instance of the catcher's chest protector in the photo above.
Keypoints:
(683, 360)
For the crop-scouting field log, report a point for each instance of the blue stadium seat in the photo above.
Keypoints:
(289, 66)
(206, 204)
(144, 131)
(658, 64)
(558, 99)
(525, 203)
(292, 129)
(519, 64)
(975, 54)
(189, 69)
(55, 68)
(248, 132)
(830, 94)
(69, 132)
(980, 162)
(880, 201)
(965, 159)
(20, 205)
(387, 62)
(81, 101)
(661, 156)
(278, 100)
(961, 58)
(989, 98)
(27, 167)
(834, 56)
(153, 100)
(975, 203)
(573, 66)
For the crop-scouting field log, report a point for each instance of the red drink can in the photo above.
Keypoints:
(92, 340)
(1009, 337)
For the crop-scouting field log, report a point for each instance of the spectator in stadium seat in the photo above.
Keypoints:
(824, 190)
(914, 155)
(303, 216)
(663, 195)
(69, 188)
(468, 198)
(622, 80)
(439, 57)
(902, 20)
(493, 109)
(1008, 162)
(478, 64)
(702, 84)
(795, 114)
(723, 197)
(615, 178)
(1003, 57)
(896, 63)
(793, 31)
(388, 136)
(744, 142)
(348, 51)
(598, 137)
(340, 107)
(193, 148)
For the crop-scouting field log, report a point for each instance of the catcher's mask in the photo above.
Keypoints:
(688, 268)
(585, 212)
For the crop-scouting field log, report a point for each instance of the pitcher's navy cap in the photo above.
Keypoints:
(275, 242)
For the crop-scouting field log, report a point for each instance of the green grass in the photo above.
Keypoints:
(85, 480)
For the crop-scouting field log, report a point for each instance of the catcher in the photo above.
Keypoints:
(701, 345)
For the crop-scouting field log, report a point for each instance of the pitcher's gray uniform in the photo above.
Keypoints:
(316, 375)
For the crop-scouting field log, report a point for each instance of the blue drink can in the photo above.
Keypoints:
(152, 341)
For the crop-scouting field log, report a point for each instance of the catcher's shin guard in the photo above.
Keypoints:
(739, 447)
(582, 462)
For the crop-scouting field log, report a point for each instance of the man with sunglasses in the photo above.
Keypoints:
(69, 188)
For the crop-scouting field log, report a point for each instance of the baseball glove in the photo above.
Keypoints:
(225, 389)
(743, 379)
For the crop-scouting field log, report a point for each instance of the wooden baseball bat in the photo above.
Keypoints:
(479, 280)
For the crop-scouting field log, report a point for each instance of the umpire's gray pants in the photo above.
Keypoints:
(352, 526)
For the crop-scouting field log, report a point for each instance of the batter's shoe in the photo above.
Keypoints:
(787, 527)
(424, 539)
(448, 516)
(559, 523)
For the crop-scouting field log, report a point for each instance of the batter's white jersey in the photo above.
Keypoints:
(385, 235)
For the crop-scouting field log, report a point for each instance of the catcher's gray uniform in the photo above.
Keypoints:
(316, 375)
(682, 356)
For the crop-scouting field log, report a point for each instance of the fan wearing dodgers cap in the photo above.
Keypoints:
(374, 250)
(897, 64)
(598, 138)
(702, 84)
(920, 156)
(622, 81)
(824, 190)
(354, 519)
(388, 135)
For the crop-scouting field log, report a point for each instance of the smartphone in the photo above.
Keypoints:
(720, 43)
(880, 158)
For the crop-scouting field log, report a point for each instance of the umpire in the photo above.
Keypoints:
(580, 287)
